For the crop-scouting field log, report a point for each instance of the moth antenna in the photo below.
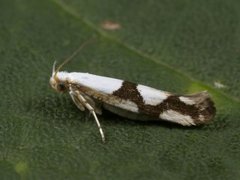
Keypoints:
(72, 55)
(54, 67)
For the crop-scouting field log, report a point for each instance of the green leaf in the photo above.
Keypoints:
(177, 46)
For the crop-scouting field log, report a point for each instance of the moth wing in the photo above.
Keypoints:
(137, 98)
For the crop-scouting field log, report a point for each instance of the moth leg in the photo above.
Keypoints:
(96, 106)
(76, 101)
(92, 111)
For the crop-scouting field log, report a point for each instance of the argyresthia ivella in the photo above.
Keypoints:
(130, 100)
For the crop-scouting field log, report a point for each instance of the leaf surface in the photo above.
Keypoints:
(181, 47)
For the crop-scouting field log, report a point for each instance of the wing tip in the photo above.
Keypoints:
(205, 107)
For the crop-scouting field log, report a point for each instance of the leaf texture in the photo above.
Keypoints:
(178, 46)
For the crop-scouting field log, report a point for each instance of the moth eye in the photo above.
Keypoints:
(61, 87)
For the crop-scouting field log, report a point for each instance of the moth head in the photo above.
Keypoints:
(55, 82)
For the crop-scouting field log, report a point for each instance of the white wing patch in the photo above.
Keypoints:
(99, 83)
(187, 100)
(127, 105)
(177, 117)
(152, 96)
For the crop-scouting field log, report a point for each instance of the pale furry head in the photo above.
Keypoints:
(55, 82)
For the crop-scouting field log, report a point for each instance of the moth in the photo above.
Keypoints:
(133, 101)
